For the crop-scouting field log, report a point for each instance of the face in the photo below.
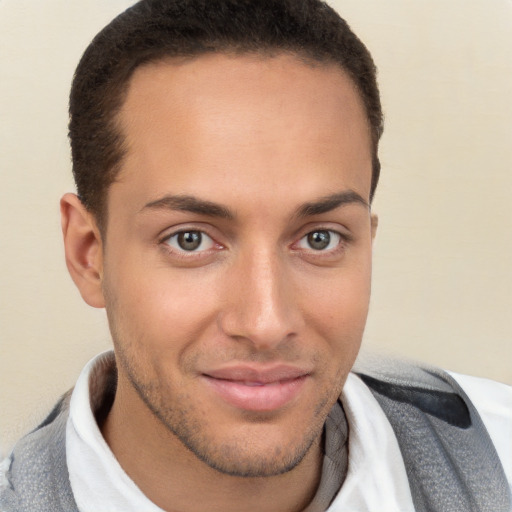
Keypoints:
(237, 260)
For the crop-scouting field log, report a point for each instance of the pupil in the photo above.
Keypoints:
(189, 240)
(319, 240)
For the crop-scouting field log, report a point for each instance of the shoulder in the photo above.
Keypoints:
(450, 423)
(493, 401)
(399, 383)
(35, 475)
(427, 386)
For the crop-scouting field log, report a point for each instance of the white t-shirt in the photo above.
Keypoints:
(376, 478)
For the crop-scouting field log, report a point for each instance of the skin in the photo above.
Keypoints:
(266, 140)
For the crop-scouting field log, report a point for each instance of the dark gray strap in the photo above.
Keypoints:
(450, 460)
(38, 476)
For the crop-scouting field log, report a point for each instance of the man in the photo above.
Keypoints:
(225, 155)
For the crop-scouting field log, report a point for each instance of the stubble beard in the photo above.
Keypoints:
(229, 458)
(187, 424)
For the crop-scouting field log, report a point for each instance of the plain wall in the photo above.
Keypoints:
(442, 289)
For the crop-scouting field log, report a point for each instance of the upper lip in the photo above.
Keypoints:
(246, 373)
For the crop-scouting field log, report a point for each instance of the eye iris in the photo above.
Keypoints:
(319, 240)
(189, 240)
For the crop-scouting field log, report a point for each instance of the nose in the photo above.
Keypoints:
(260, 304)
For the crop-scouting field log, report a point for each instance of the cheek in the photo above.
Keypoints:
(338, 310)
(341, 301)
(160, 309)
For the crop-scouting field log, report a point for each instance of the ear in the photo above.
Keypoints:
(83, 248)
(375, 223)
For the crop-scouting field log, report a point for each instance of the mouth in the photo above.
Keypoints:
(253, 389)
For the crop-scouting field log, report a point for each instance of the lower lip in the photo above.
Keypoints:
(268, 397)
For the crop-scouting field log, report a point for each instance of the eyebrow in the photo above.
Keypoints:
(190, 204)
(329, 203)
(193, 204)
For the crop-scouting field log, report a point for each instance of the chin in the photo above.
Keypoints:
(253, 449)
(239, 462)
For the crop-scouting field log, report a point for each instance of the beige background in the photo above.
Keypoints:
(442, 280)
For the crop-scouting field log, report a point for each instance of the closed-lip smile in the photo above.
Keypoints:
(257, 388)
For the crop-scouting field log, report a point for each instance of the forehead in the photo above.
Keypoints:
(229, 86)
(245, 121)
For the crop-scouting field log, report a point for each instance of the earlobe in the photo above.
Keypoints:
(83, 249)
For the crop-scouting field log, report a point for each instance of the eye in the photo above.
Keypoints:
(190, 241)
(320, 240)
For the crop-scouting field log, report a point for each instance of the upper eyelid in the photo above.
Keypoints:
(179, 249)
(341, 230)
(185, 230)
(346, 238)
(179, 254)
(341, 235)
(169, 232)
(176, 233)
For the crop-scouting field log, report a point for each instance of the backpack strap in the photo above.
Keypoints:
(37, 478)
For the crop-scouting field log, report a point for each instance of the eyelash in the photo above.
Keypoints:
(341, 244)
(342, 240)
(183, 253)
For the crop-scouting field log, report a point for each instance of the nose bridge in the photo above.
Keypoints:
(262, 308)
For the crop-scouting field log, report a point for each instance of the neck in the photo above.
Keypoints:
(173, 478)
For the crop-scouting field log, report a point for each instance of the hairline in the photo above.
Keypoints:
(305, 57)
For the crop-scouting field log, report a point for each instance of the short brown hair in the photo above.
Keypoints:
(156, 29)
